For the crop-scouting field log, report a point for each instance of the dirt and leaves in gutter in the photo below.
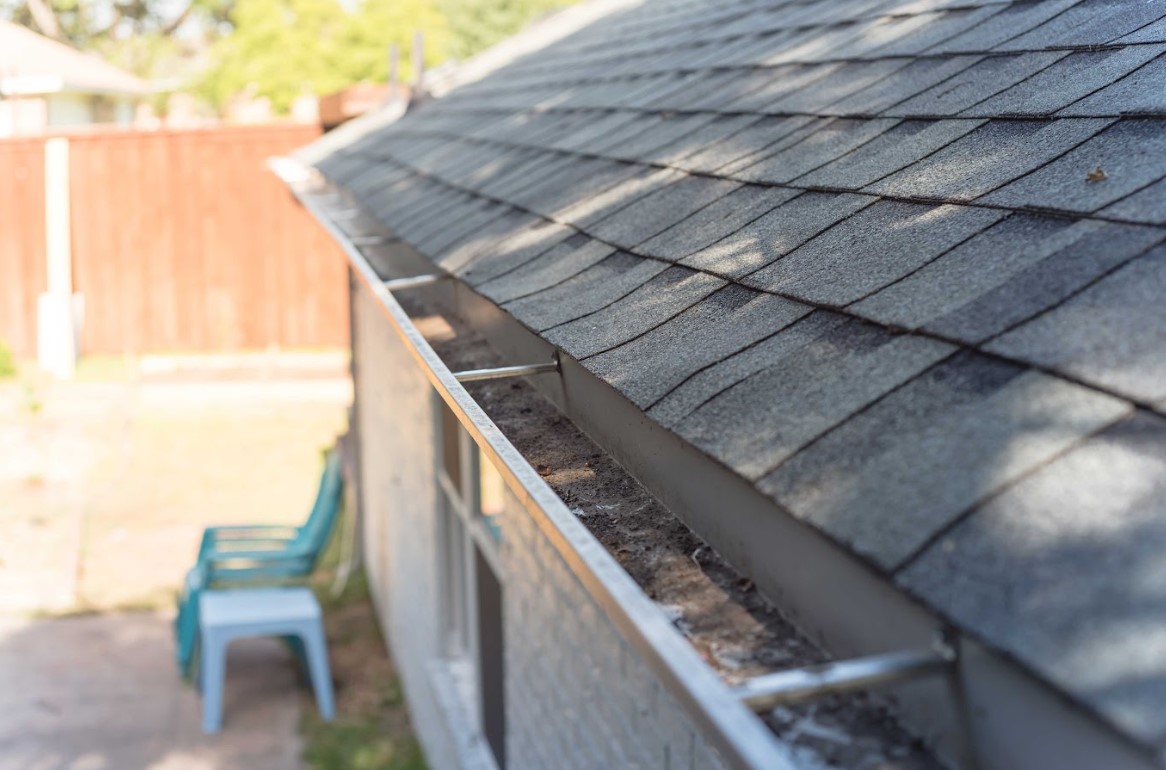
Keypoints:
(733, 627)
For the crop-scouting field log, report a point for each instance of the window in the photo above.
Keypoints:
(472, 499)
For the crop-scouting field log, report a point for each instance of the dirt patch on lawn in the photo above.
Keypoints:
(108, 485)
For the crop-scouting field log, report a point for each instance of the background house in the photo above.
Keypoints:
(46, 85)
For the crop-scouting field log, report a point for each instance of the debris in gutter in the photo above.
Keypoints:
(729, 623)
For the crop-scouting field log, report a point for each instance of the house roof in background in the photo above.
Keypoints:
(898, 263)
(32, 64)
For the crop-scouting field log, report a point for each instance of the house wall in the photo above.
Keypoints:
(576, 694)
(23, 116)
(70, 111)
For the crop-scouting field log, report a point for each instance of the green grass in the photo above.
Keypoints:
(7, 362)
(371, 730)
(356, 745)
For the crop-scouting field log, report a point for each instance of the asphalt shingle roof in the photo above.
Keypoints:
(895, 262)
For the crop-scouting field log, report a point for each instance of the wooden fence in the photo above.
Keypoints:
(181, 241)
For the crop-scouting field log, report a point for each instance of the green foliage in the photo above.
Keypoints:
(478, 24)
(279, 48)
(360, 746)
(283, 48)
(7, 362)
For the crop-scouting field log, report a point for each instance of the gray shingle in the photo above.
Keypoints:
(777, 233)
(1140, 92)
(836, 86)
(644, 125)
(587, 208)
(871, 249)
(894, 476)
(707, 383)
(1076, 76)
(992, 155)
(833, 138)
(748, 144)
(714, 133)
(780, 82)
(989, 76)
(1146, 205)
(819, 44)
(1092, 250)
(567, 258)
(659, 210)
(886, 31)
(1113, 334)
(745, 83)
(974, 269)
(712, 90)
(938, 28)
(1151, 33)
(1015, 19)
(540, 237)
(901, 85)
(719, 326)
(505, 223)
(830, 374)
(588, 291)
(537, 168)
(1132, 153)
(714, 222)
(599, 131)
(1064, 571)
(664, 296)
(900, 146)
(665, 132)
(1089, 23)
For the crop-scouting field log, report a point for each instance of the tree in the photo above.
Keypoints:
(283, 48)
(475, 25)
(93, 23)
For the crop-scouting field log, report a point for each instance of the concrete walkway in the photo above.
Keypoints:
(101, 692)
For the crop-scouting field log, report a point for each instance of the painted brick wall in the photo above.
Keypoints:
(578, 696)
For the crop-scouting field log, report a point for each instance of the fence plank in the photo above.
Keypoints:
(183, 241)
(22, 241)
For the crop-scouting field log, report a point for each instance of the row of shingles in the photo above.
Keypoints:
(927, 31)
(1080, 70)
(704, 45)
(868, 28)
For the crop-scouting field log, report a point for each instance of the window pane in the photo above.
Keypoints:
(451, 458)
(491, 495)
(491, 658)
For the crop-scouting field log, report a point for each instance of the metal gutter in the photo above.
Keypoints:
(742, 740)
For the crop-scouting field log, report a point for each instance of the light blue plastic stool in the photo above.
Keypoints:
(228, 615)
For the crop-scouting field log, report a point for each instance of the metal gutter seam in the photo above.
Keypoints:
(741, 739)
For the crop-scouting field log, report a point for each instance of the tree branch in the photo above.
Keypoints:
(45, 18)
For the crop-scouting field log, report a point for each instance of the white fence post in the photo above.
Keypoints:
(58, 313)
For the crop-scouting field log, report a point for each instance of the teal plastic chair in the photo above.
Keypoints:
(254, 555)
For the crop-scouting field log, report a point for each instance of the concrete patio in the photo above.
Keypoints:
(100, 692)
